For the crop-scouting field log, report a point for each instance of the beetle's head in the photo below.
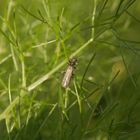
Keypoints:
(73, 61)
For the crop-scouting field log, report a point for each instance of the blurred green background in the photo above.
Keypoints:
(37, 38)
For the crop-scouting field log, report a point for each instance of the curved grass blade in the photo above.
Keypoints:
(86, 70)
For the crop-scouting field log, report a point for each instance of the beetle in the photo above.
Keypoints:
(69, 72)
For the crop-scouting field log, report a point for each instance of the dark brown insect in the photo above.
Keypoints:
(69, 72)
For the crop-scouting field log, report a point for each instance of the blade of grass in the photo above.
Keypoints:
(63, 102)
(115, 76)
(3, 84)
(123, 42)
(66, 97)
(138, 20)
(45, 43)
(46, 119)
(131, 77)
(128, 5)
(46, 5)
(14, 58)
(78, 97)
(119, 7)
(103, 7)
(5, 59)
(31, 14)
(87, 67)
(9, 89)
(23, 73)
(93, 19)
(6, 36)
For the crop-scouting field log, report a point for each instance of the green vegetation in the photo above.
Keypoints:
(38, 37)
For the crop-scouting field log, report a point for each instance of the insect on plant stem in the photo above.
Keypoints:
(69, 72)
